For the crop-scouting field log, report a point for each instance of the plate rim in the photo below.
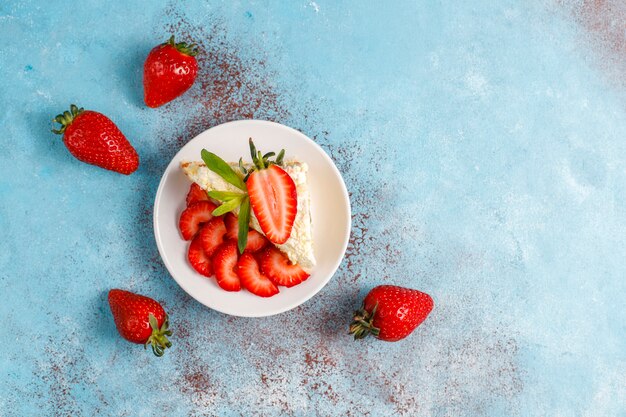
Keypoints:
(344, 189)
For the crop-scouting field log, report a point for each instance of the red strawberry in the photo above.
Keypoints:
(170, 70)
(256, 241)
(224, 264)
(391, 313)
(140, 319)
(196, 193)
(274, 201)
(232, 226)
(212, 235)
(193, 216)
(277, 267)
(252, 279)
(198, 258)
(93, 138)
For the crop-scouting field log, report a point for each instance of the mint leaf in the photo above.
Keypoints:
(225, 195)
(244, 224)
(221, 168)
(230, 205)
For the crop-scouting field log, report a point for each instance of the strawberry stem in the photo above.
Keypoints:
(158, 339)
(66, 118)
(261, 161)
(182, 47)
(279, 158)
(362, 323)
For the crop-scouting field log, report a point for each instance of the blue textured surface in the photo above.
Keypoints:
(483, 144)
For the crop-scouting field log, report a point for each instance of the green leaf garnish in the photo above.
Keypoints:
(225, 195)
(230, 205)
(221, 168)
(244, 224)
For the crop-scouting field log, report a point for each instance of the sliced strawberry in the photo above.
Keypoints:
(193, 216)
(252, 279)
(212, 235)
(224, 265)
(196, 193)
(232, 226)
(274, 201)
(198, 259)
(258, 256)
(256, 241)
(277, 267)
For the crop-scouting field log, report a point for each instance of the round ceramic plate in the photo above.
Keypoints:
(330, 212)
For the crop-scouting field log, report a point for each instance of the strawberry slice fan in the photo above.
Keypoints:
(238, 255)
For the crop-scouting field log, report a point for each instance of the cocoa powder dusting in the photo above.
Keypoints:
(359, 238)
(229, 86)
(604, 34)
(233, 84)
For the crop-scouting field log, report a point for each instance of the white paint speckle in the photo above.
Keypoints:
(476, 83)
(518, 126)
(580, 191)
(315, 6)
(608, 386)
(511, 14)
(434, 60)
(44, 94)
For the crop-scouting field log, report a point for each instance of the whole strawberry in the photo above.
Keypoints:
(169, 71)
(140, 320)
(93, 138)
(391, 313)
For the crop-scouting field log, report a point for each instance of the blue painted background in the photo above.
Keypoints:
(484, 147)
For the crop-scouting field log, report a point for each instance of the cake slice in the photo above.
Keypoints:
(299, 245)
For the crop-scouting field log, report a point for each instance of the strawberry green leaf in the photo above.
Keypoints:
(261, 162)
(252, 149)
(225, 195)
(244, 224)
(241, 167)
(279, 158)
(227, 206)
(221, 168)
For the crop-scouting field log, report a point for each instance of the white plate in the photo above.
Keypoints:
(330, 211)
